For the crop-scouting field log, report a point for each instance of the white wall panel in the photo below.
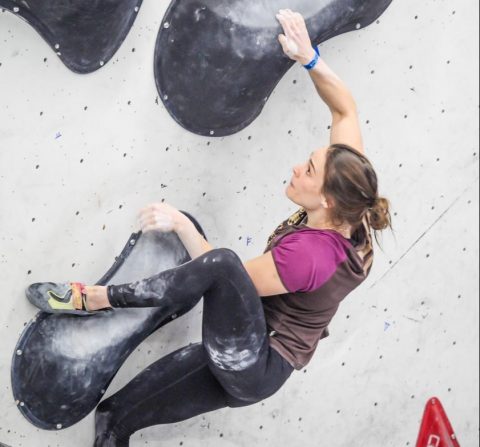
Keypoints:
(79, 155)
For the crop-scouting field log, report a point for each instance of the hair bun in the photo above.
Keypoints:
(379, 214)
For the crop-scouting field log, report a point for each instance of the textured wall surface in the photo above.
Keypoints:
(79, 155)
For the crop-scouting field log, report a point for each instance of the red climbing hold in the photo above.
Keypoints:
(436, 430)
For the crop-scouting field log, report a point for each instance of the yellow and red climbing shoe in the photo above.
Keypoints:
(59, 297)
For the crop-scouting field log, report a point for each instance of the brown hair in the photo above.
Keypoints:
(351, 184)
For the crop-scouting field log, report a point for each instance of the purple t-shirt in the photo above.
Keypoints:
(318, 268)
(307, 258)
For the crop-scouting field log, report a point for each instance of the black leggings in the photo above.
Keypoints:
(233, 366)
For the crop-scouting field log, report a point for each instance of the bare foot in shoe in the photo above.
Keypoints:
(97, 297)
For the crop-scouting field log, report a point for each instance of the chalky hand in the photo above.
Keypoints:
(295, 41)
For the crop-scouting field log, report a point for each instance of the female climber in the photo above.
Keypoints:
(264, 318)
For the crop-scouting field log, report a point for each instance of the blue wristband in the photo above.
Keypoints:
(314, 61)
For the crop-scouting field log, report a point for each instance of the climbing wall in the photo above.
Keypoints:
(81, 154)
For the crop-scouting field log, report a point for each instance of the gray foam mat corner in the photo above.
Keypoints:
(63, 364)
(84, 34)
(217, 62)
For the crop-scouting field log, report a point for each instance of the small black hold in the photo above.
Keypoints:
(133, 50)
(36, 167)
(29, 272)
